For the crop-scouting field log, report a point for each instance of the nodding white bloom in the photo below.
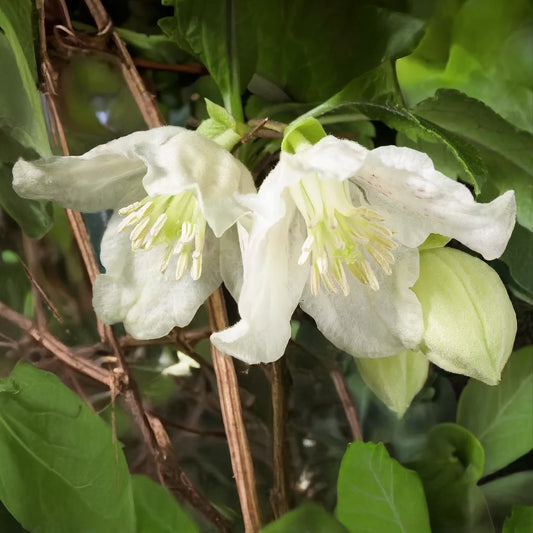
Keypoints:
(171, 241)
(337, 231)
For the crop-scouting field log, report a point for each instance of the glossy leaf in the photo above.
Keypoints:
(450, 465)
(308, 518)
(53, 448)
(19, 67)
(157, 511)
(501, 417)
(376, 493)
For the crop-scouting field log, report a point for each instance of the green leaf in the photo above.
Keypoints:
(505, 150)
(501, 417)
(376, 493)
(450, 465)
(504, 492)
(34, 217)
(53, 448)
(157, 511)
(19, 68)
(7, 523)
(308, 518)
(480, 47)
(520, 520)
(519, 257)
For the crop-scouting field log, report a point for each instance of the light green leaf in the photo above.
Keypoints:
(395, 380)
(16, 49)
(157, 511)
(480, 47)
(308, 518)
(504, 492)
(34, 217)
(501, 417)
(376, 493)
(450, 466)
(520, 520)
(53, 448)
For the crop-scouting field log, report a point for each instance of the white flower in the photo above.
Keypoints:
(171, 240)
(337, 229)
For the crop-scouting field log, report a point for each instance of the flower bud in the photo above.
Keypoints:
(469, 321)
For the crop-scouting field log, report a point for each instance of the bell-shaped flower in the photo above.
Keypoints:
(171, 241)
(337, 231)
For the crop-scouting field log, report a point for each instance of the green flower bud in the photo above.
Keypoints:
(395, 380)
(469, 321)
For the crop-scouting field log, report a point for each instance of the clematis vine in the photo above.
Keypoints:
(337, 230)
(172, 240)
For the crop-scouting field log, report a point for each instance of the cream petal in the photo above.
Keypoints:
(191, 161)
(372, 323)
(134, 291)
(417, 200)
(107, 177)
(272, 286)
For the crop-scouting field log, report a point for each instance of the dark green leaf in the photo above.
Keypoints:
(157, 511)
(53, 448)
(505, 151)
(501, 417)
(504, 492)
(519, 257)
(34, 217)
(450, 466)
(376, 493)
(520, 520)
(308, 518)
(20, 111)
(7, 523)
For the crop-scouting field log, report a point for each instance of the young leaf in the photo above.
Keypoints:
(53, 448)
(501, 417)
(376, 493)
(308, 518)
(157, 511)
(450, 466)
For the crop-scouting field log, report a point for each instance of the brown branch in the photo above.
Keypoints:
(189, 68)
(48, 341)
(230, 402)
(347, 403)
(279, 496)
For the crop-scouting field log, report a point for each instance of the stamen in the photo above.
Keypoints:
(340, 234)
(175, 222)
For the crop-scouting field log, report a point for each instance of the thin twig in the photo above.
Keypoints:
(188, 68)
(347, 403)
(48, 341)
(230, 402)
(279, 496)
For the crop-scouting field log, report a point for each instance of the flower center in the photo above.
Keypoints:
(340, 235)
(175, 222)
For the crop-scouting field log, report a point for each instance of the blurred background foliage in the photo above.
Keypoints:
(461, 90)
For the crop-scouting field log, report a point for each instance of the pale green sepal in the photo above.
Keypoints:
(302, 133)
(395, 380)
(221, 127)
(469, 321)
(434, 240)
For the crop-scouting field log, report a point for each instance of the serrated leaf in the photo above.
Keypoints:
(18, 63)
(501, 417)
(504, 492)
(376, 493)
(308, 518)
(34, 217)
(53, 448)
(157, 511)
(450, 465)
